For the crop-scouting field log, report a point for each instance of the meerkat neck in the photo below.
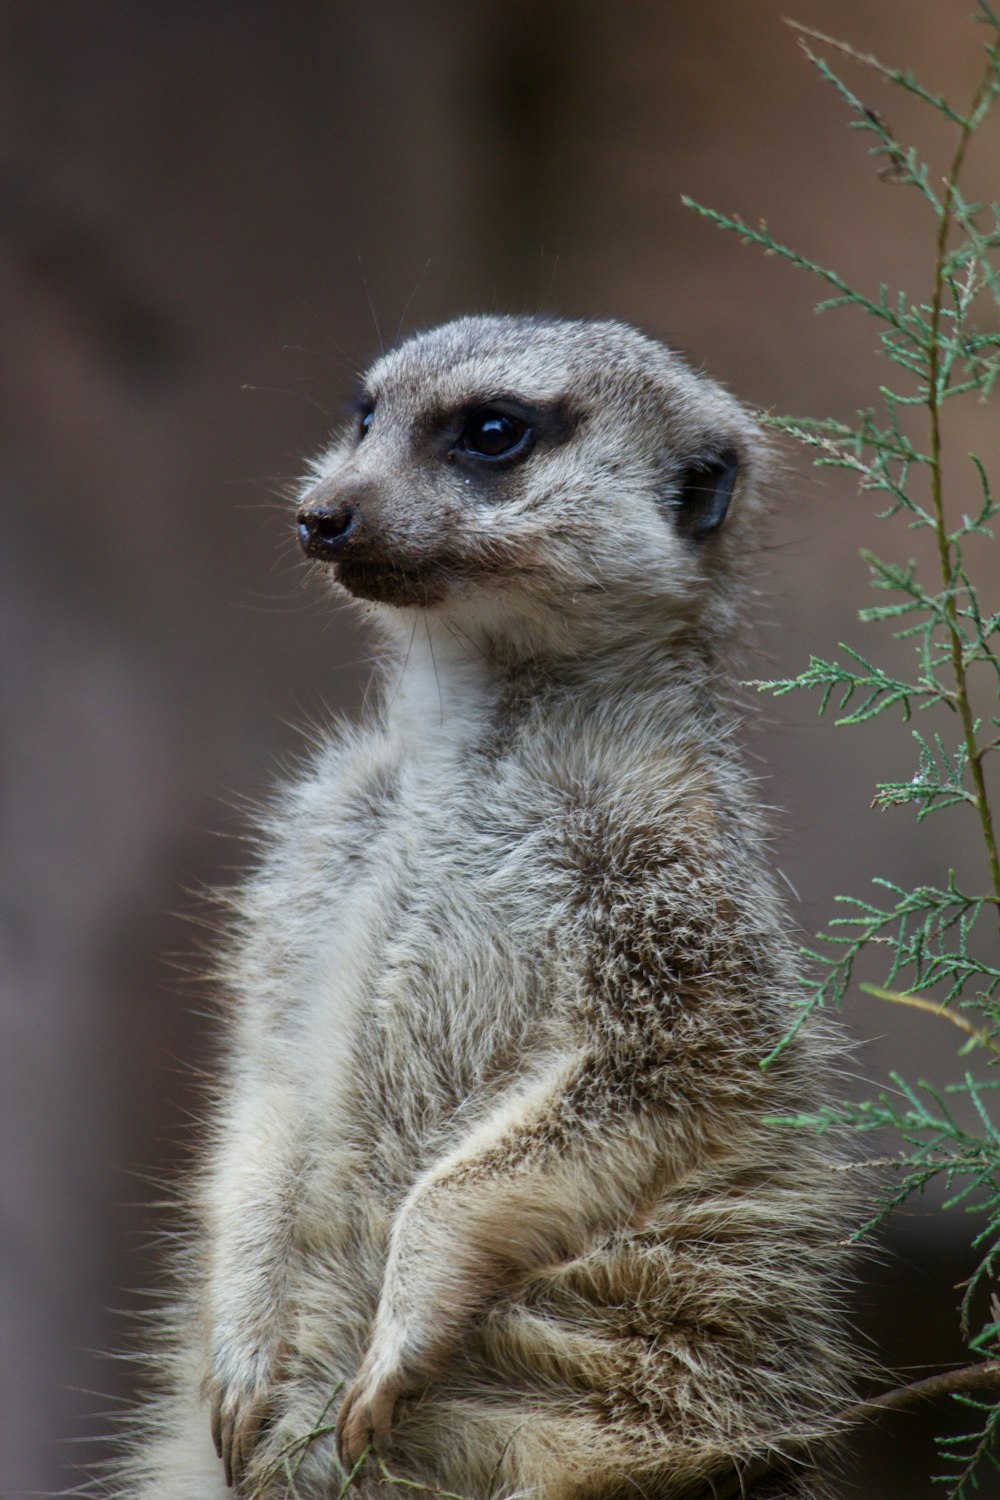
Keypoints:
(440, 689)
(437, 688)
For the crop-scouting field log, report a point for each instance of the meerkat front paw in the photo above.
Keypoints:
(366, 1417)
(240, 1407)
(368, 1410)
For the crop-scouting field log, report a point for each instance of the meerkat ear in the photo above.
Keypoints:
(706, 488)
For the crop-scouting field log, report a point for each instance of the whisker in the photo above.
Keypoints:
(437, 679)
(371, 306)
(406, 305)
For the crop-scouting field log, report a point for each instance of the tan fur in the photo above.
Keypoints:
(491, 1172)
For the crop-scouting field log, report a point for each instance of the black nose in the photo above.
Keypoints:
(324, 530)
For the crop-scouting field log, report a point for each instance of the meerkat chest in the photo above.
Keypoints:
(431, 983)
(467, 909)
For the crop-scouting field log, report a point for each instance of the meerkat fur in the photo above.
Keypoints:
(494, 1191)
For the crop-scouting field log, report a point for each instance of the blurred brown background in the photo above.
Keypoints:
(210, 214)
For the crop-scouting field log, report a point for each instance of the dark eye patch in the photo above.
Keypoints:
(500, 431)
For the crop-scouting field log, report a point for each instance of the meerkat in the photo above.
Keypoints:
(496, 1199)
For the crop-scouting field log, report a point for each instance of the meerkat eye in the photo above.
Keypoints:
(495, 436)
(365, 420)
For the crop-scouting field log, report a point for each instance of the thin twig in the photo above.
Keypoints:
(933, 1008)
(867, 60)
(945, 556)
(985, 1377)
(739, 1482)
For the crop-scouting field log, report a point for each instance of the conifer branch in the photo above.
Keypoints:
(987, 83)
(934, 944)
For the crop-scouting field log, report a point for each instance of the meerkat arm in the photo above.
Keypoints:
(249, 1198)
(556, 1168)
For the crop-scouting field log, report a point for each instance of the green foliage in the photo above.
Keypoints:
(932, 943)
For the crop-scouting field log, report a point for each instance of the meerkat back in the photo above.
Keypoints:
(492, 1200)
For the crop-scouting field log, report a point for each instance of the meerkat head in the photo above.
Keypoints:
(545, 485)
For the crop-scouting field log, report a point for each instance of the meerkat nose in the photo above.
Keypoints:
(323, 530)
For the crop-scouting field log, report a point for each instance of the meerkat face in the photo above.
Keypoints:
(521, 474)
